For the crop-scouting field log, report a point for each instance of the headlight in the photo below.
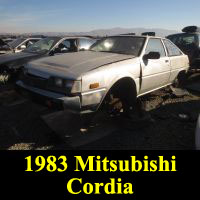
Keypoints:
(76, 87)
(58, 82)
(65, 85)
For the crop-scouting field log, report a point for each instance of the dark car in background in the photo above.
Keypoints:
(10, 64)
(17, 45)
(20, 44)
(189, 42)
(4, 47)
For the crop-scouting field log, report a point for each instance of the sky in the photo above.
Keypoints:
(25, 16)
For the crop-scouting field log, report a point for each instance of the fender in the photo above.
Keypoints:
(135, 82)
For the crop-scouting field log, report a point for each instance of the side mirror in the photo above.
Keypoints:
(22, 47)
(151, 55)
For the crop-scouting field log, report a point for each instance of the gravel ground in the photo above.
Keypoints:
(172, 125)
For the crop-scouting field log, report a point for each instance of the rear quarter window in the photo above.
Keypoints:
(172, 49)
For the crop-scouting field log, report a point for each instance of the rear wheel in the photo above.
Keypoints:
(180, 80)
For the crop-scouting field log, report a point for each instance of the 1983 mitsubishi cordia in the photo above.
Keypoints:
(117, 67)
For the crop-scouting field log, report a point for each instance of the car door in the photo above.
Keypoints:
(155, 72)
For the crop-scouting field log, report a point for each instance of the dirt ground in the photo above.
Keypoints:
(172, 125)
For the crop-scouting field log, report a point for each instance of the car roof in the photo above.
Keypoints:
(28, 38)
(74, 37)
(143, 36)
(33, 38)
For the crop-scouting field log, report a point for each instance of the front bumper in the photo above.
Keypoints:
(50, 99)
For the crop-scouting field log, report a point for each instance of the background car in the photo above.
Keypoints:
(9, 40)
(189, 42)
(20, 44)
(10, 64)
(4, 47)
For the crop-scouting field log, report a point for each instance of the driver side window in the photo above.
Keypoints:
(155, 45)
(65, 46)
(30, 42)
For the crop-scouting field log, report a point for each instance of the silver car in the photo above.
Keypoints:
(116, 68)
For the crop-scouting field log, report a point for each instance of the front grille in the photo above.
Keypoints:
(35, 81)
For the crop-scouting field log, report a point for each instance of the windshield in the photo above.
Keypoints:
(16, 42)
(120, 44)
(42, 46)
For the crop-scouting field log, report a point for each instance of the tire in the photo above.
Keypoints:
(119, 102)
(181, 79)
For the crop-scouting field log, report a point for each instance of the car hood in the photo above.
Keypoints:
(16, 58)
(74, 64)
(5, 48)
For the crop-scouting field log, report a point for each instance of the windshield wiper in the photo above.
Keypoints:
(118, 52)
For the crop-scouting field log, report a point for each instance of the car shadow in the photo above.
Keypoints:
(167, 129)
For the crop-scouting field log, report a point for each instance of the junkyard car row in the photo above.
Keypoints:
(18, 45)
(11, 63)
